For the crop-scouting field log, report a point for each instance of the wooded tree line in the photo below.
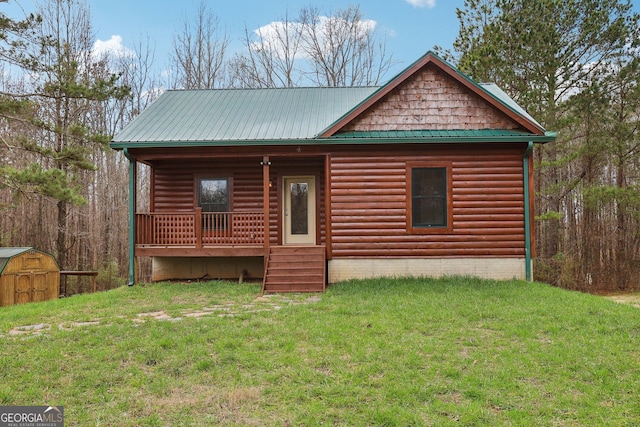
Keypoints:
(572, 64)
(61, 188)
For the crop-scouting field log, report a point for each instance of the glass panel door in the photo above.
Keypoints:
(299, 210)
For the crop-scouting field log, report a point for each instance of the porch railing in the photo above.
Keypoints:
(198, 229)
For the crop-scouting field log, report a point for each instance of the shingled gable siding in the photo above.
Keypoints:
(368, 203)
(431, 100)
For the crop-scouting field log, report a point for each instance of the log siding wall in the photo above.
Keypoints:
(368, 196)
(175, 184)
(369, 204)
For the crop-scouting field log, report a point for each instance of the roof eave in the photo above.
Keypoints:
(119, 145)
(537, 139)
(337, 140)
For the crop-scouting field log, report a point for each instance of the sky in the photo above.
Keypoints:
(413, 27)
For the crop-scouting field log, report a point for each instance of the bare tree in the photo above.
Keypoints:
(343, 49)
(270, 61)
(108, 198)
(137, 71)
(338, 50)
(198, 57)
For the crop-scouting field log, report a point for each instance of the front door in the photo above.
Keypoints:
(299, 210)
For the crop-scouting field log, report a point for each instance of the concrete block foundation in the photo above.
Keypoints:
(486, 268)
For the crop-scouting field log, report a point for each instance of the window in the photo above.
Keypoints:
(299, 211)
(429, 199)
(213, 196)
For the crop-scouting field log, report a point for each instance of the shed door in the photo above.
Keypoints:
(31, 287)
(299, 210)
(23, 288)
(39, 287)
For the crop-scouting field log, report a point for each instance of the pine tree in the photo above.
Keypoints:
(58, 52)
(547, 54)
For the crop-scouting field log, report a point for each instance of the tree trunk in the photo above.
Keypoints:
(61, 241)
(621, 257)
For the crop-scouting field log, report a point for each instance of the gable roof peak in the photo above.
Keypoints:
(490, 93)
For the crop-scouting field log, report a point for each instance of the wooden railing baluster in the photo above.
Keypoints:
(198, 229)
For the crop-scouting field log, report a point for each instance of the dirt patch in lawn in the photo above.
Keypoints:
(632, 299)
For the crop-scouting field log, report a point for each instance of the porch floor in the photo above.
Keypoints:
(204, 251)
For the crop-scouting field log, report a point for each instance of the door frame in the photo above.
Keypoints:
(312, 209)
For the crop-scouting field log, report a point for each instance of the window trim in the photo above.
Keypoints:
(409, 197)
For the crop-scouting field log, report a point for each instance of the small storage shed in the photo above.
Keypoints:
(27, 275)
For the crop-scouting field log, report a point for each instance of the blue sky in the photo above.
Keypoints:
(413, 26)
(413, 29)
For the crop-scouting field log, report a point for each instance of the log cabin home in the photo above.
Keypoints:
(430, 174)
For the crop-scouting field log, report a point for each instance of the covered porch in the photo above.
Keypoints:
(263, 197)
(174, 224)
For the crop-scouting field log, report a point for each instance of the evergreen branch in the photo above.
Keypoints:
(10, 147)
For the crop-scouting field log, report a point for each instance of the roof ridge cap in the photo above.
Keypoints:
(274, 88)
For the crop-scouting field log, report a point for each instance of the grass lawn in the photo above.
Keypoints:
(453, 351)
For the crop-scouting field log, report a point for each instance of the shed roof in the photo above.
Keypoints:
(7, 253)
(10, 252)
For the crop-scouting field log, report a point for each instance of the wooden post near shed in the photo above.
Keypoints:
(93, 274)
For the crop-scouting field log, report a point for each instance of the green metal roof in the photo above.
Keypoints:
(281, 116)
(502, 96)
(375, 137)
(240, 114)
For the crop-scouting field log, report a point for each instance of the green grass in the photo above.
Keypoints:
(405, 352)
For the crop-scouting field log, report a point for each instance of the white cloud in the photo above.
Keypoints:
(275, 36)
(422, 3)
(112, 47)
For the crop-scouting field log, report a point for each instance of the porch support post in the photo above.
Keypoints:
(527, 213)
(132, 217)
(198, 227)
(265, 191)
